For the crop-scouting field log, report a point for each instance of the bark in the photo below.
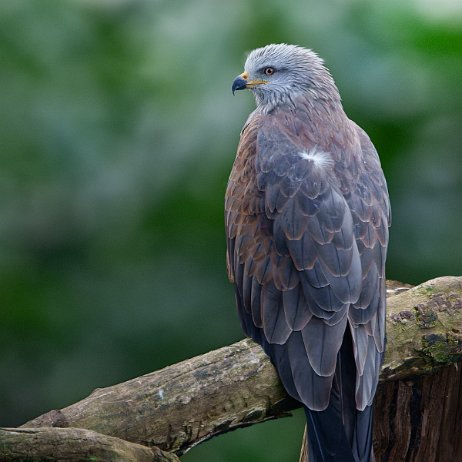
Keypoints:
(184, 404)
(189, 402)
(420, 420)
(424, 328)
(73, 445)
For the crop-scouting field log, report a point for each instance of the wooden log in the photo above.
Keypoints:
(189, 402)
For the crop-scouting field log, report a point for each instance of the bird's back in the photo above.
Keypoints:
(307, 218)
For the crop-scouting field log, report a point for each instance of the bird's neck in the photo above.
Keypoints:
(313, 109)
(314, 102)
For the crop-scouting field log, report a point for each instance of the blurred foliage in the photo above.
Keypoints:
(117, 132)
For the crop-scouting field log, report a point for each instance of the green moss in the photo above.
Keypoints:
(442, 349)
(427, 290)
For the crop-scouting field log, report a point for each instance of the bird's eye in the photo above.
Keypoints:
(269, 70)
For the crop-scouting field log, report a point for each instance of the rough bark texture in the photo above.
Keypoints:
(424, 328)
(180, 406)
(420, 420)
(73, 444)
(187, 403)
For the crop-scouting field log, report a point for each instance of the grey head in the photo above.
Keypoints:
(279, 73)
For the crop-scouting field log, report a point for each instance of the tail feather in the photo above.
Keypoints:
(362, 442)
(327, 441)
(341, 433)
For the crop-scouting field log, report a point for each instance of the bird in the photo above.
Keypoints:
(307, 216)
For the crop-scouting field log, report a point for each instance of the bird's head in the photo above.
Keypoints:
(277, 74)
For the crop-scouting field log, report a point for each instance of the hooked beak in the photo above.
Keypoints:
(241, 82)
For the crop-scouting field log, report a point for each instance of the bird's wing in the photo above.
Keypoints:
(293, 255)
(369, 203)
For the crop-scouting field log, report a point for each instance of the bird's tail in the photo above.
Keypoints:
(325, 441)
(340, 433)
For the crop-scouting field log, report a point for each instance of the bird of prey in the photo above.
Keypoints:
(307, 215)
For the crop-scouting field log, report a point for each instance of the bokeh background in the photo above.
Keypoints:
(117, 133)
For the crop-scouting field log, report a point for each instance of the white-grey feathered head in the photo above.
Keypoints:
(277, 74)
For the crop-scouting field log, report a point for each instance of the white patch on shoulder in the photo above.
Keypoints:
(320, 158)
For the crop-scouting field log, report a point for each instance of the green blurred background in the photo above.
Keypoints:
(117, 133)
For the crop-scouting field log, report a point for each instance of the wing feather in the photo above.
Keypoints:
(294, 303)
(275, 327)
(322, 343)
(313, 389)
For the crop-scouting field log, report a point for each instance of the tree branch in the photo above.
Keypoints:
(424, 329)
(180, 406)
(73, 445)
(184, 404)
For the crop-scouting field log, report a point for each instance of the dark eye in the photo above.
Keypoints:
(269, 70)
